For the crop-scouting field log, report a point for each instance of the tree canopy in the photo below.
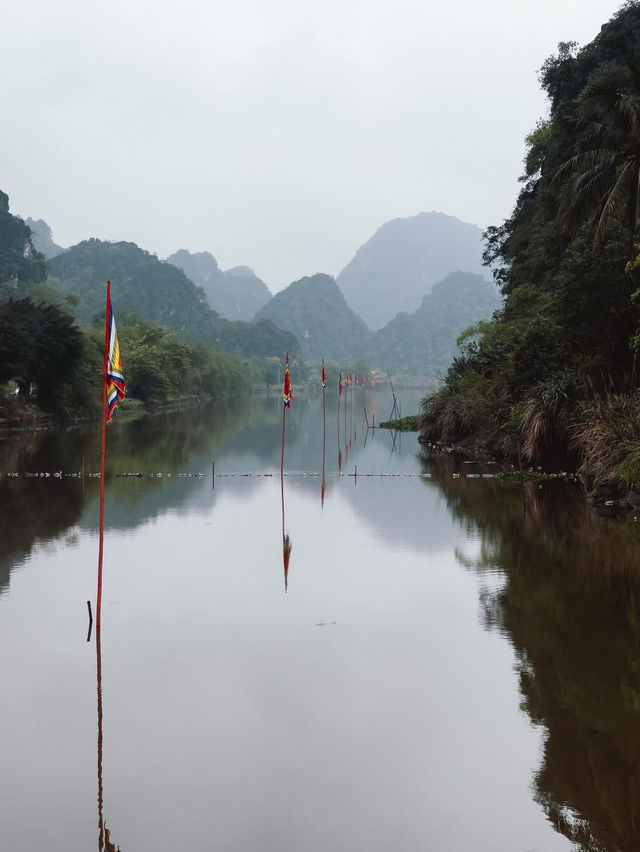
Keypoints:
(562, 261)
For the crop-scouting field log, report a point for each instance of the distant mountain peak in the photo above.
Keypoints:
(314, 309)
(234, 294)
(43, 238)
(397, 267)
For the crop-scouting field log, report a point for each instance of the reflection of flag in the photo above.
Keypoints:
(286, 391)
(286, 555)
(324, 376)
(340, 384)
(116, 389)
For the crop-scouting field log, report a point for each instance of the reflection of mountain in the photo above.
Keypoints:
(241, 435)
(569, 605)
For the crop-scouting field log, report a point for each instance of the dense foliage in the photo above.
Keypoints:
(49, 363)
(40, 350)
(564, 338)
(316, 312)
(147, 288)
(54, 365)
(428, 336)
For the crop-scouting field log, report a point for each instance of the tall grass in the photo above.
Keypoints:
(607, 436)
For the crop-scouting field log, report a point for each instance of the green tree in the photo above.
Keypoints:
(602, 179)
(40, 348)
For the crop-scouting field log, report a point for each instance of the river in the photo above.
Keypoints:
(432, 661)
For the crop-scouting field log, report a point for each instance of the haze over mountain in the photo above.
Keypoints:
(315, 310)
(42, 238)
(428, 336)
(236, 294)
(397, 267)
(147, 288)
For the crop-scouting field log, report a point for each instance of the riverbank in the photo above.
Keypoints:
(28, 418)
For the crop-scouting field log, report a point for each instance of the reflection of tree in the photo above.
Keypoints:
(570, 605)
(35, 509)
(41, 509)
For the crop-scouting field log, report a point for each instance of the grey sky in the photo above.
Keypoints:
(277, 134)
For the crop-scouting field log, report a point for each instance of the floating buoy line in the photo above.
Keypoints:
(59, 474)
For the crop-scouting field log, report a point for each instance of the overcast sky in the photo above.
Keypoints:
(277, 134)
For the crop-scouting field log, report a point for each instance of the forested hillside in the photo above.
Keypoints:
(51, 360)
(315, 311)
(554, 375)
(147, 288)
(427, 338)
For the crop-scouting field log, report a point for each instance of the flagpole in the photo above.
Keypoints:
(284, 414)
(324, 431)
(345, 412)
(100, 787)
(103, 444)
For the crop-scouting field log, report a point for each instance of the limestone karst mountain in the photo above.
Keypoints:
(236, 294)
(397, 267)
(42, 238)
(148, 288)
(428, 336)
(315, 310)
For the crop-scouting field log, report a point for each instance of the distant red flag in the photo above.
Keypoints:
(340, 384)
(324, 376)
(286, 391)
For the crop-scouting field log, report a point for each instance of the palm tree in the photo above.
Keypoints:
(602, 179)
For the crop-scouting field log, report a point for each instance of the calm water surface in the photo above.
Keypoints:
(454, 665)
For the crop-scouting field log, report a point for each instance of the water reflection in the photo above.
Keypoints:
(339, 715)
(570, 604)
(241, 434)
(104, 834)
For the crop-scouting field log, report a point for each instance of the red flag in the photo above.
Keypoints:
(324, 376)
(286, 391)
(340, 384)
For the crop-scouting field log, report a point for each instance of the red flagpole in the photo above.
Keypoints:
(100, 787)
(324, 432)
(103, 445)
(284, 412)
